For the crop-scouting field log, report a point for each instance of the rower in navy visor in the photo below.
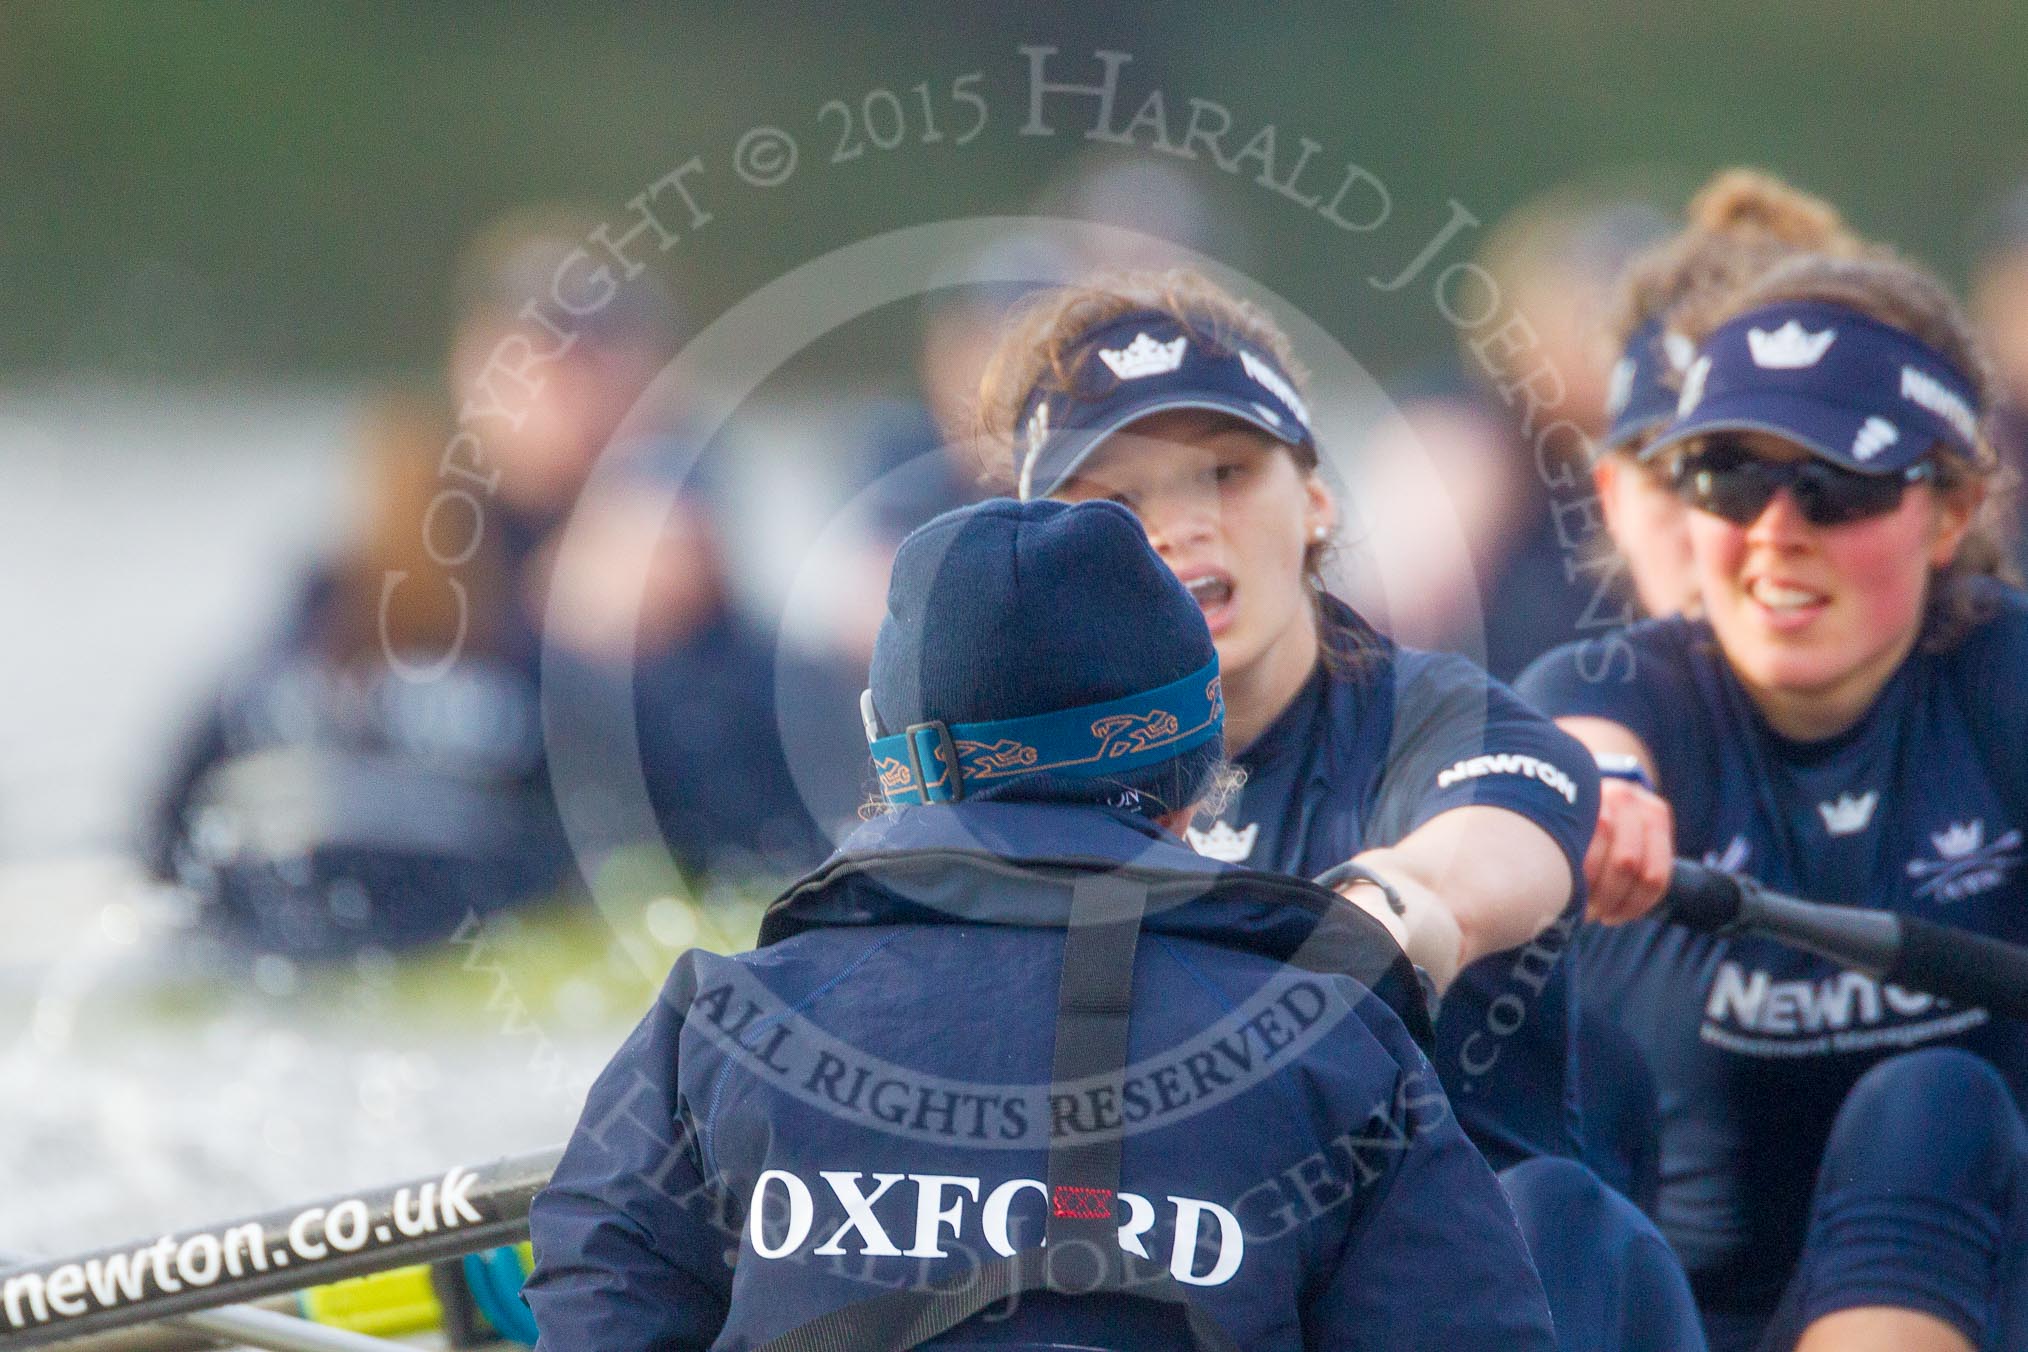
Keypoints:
(1843, 1162)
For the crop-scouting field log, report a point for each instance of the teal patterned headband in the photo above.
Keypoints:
(934, 762)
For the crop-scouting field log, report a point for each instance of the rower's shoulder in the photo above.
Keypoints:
(1982, 672)
(2001, 627)
(1646, 676)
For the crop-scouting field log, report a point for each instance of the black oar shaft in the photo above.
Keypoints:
(1943, 960)
(238, 1261)
(1962, 966)
(1867, 940)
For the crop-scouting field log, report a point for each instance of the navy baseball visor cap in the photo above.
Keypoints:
(1142, 363)
(1642, 394)
(1859, 393)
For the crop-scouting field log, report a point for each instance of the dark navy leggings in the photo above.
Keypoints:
(1921, 1203)
(1613, 1283)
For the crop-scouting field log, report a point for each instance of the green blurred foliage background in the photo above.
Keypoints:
(208, 192)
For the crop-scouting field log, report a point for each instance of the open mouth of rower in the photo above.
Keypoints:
(1210, 591)
(1785, 599)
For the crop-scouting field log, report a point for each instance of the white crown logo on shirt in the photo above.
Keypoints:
(1788, 348)
(1966, 863)
(1850, 814)
(1144, 357)
(1223, 843)
(1875, 436)
(1693, 386)
(1959, 839)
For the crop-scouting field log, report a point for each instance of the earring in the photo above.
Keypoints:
(1318, 534)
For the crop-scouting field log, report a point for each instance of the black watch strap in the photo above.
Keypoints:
(1338, 875)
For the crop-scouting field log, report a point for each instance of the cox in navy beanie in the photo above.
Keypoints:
(1009, 609)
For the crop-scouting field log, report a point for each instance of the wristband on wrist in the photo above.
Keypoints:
(1620, 765)
(1338, 875)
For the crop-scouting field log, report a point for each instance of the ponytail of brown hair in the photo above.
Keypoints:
(1740, 224)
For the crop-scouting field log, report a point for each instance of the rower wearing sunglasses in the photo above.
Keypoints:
(1843, 1164)
(1740, 224)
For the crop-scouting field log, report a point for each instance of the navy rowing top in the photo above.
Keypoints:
(1380, 740)
(1918, 808)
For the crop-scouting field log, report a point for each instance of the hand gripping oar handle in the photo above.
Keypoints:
(1944, 960)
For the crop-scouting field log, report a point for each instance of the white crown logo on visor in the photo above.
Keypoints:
(1788, 348)
(1271, 380)
(1621, 387)
(1874, 437)
(1693, 386)
(1679, 350)
(1144, 357)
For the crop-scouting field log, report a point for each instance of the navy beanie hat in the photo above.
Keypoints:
(1047, 650)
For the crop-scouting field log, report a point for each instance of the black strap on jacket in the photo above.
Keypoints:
(1082, 1254)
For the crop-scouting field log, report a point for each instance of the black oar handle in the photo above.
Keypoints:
(1702, 898)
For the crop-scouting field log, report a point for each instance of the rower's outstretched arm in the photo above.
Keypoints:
(1480, 818)
(1475, 881)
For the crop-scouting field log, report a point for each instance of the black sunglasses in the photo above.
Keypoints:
(1728, 480)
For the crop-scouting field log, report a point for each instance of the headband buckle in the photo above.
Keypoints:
(952, 788)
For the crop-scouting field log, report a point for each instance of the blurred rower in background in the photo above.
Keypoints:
(1999, 302)
(915, 457)
(921, 456)
(378, 772)
(1501, 465)
(909, 458)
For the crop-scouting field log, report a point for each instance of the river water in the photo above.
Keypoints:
(145, 540)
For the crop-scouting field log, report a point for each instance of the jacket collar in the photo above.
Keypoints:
(1029, 831)
(1014, 864)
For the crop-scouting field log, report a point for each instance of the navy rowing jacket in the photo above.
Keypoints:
(864, 1103)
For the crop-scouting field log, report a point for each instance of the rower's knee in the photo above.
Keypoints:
(1882, 1330)
(1611, 1279)
(1919, 1197)
(1938, 1120)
